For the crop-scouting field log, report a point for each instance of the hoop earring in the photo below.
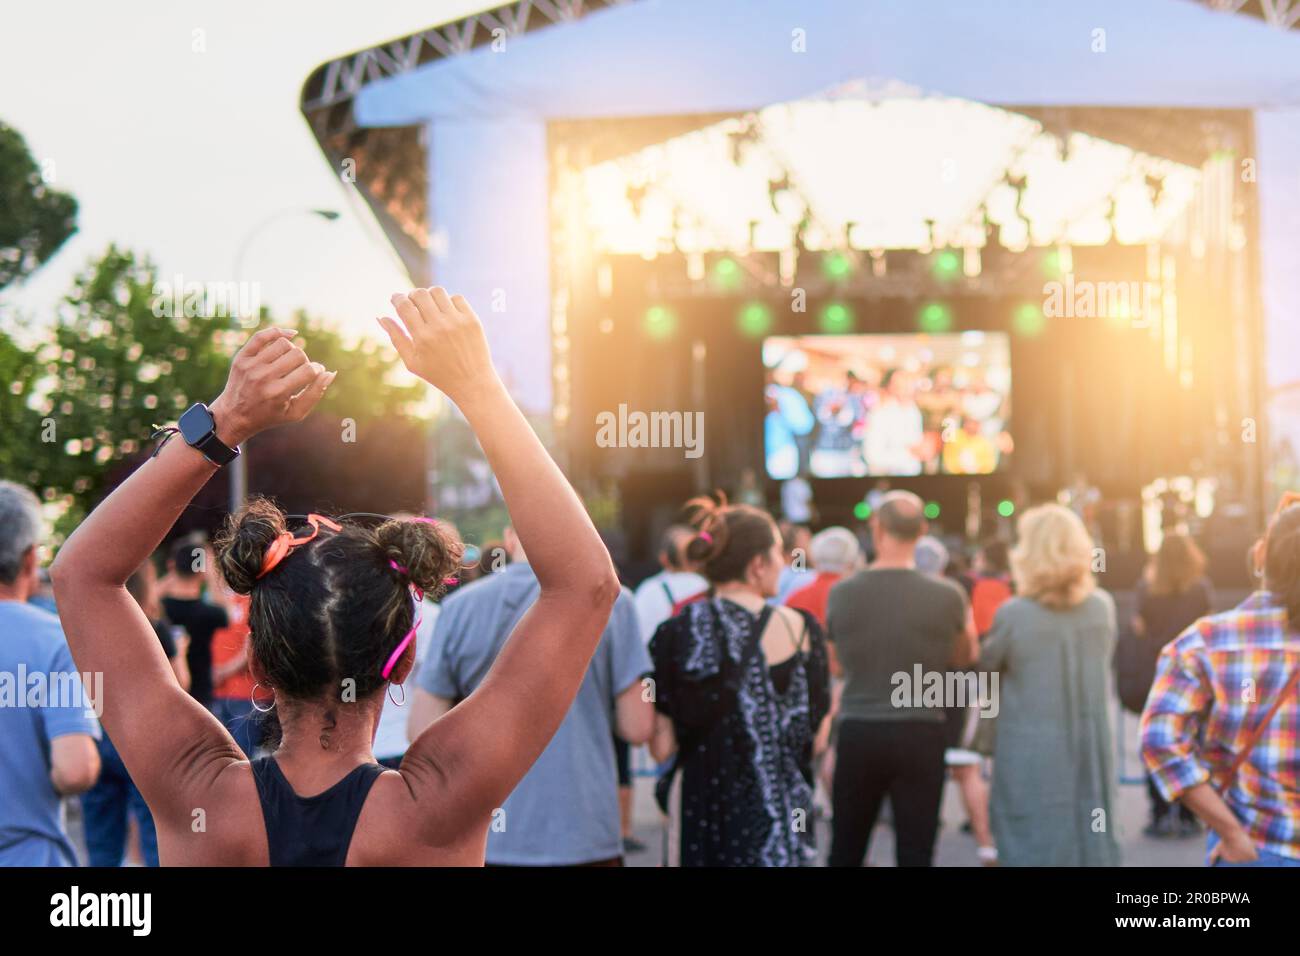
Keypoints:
(252, 697)
(397, 703)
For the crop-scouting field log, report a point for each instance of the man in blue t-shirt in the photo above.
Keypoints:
(565, 811)
(47, 727)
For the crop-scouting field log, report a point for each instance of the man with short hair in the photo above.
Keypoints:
(886, 623)
(47, 740)
(658, 594)
(565, 811)
(185, 606)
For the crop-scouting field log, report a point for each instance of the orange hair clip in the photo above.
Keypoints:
(286, 542)
(1286, 501)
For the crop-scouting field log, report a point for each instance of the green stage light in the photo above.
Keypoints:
(836, 318)
(836, 265)
(1052, 264)
(755, 320)
(947, 265)
(932, 510)
(659, 322)
(1006, 507)
(862, 511)
(1029, 320)
(726, 273)
(935, 317)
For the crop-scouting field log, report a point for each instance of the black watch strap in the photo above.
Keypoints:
(199, 429)
(216, 451)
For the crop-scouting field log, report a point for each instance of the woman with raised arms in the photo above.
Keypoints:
(332, 611)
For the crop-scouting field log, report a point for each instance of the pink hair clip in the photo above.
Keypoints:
(706, 536)
(402, 570)
(418, 596)
(406, 642)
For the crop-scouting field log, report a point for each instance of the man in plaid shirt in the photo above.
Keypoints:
(1214, 685)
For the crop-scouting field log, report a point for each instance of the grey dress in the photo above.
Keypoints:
(1053, 794)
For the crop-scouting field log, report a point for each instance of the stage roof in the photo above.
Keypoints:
(447, 127)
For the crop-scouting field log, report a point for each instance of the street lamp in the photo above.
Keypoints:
(239, 467)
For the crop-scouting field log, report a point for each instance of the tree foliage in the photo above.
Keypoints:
(81, 406)
(35, 220)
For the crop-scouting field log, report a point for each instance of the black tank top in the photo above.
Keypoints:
(311, 831)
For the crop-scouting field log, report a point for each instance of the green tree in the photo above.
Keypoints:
(118, 363)
(372, 387)
(35, 220)
(117, 366)
(20, 447)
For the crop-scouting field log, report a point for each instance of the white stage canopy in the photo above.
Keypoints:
(486, 111)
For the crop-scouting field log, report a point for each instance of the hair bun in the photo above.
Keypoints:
(705, 516)
(241, 547)
(427, 550)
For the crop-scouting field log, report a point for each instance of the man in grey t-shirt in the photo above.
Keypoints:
(565, 811)
(892, 627)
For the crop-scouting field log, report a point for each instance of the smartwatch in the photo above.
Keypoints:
(199, 429)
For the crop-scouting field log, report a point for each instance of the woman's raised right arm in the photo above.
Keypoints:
(475, 754)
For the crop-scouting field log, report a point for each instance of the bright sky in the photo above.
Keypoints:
(178, 154)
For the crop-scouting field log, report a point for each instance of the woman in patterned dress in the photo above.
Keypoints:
(741, 689)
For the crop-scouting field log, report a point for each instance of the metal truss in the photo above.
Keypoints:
(340, 80)
(1283, 14)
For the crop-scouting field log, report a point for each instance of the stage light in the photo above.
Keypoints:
(946, 265)
(862, 511)
(1006, 507)
(836, 266)
(836, 318)
(1028, 320)
(659, 322)
(931, 510)
(755, 320)
(1052, 263)
(726, 273)
(935, 317)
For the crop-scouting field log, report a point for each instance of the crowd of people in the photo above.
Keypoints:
(794, 690)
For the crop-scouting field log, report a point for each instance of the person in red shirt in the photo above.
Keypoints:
(834, 553)
(992, 584)
(233, 688)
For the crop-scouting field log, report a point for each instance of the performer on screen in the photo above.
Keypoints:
(895, 437)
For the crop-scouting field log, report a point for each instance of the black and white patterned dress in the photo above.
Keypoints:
(744, 732)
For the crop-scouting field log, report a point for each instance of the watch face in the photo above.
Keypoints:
(196, 424)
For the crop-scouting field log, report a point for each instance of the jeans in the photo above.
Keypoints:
(1265, 857)
(240, 718)
(105, 807)
(899, 758)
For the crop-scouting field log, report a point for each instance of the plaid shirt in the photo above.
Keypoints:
(1213, 684)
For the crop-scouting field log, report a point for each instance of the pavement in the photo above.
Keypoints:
(955, 848)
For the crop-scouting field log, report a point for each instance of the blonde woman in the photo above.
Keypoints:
(1051, 645)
